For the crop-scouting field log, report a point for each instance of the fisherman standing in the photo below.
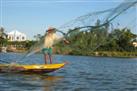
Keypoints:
(50, 39)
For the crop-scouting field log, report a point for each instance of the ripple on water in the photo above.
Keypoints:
(82, 74)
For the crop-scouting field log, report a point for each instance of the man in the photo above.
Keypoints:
(50, 39)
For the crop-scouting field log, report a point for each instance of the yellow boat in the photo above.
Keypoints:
(36, 68)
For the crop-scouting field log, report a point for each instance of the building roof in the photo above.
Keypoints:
(16, 32)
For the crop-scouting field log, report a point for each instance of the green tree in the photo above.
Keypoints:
(121, 40)
(38, 37)
(3, 37)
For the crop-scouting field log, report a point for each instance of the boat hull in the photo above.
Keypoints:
(16, 68)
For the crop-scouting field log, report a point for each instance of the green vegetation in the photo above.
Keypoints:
(21, 45)
(100, 42)
(14, 46)
(3, 39)
(92, 42)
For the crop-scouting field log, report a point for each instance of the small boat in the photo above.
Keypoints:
(35, 68)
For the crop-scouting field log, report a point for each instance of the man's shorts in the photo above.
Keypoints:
(47, 51)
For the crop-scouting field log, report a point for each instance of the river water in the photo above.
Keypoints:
(81, 74)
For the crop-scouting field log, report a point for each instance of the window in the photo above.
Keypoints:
(23, 38)
(9, 38)
(17, 38)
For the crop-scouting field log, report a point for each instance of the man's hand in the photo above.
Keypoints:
(66, 42)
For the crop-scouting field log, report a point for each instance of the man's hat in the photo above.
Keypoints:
(51, 29)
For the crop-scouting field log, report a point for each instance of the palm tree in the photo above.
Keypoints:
(38, 37)
(3, 37)
(2, 34)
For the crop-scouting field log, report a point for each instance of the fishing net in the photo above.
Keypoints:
(95, 31)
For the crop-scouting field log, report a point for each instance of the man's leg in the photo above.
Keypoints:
(50, 58)
(50, 55)
(45, 52)
(46, 58)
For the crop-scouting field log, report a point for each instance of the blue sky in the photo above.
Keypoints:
(34, 16)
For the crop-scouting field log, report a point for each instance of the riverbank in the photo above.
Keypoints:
(13, 49)
(109, 54)
(96, 54)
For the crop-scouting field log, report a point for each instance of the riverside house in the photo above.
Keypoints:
(15, 35)
(135, 44)
(16, 41)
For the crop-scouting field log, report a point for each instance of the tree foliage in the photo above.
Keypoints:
(99, 39)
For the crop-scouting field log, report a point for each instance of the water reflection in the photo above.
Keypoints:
(83, 74)
(51, 81)
(32, 82)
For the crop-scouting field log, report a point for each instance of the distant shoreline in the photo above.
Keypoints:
(105, 54)
(111, 54)
(94, 54)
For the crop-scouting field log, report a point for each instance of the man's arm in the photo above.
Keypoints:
(66, 41)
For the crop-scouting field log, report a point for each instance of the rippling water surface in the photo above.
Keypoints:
(81, 74)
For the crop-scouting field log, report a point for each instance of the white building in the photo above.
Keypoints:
(15, 35)
(135, 44)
